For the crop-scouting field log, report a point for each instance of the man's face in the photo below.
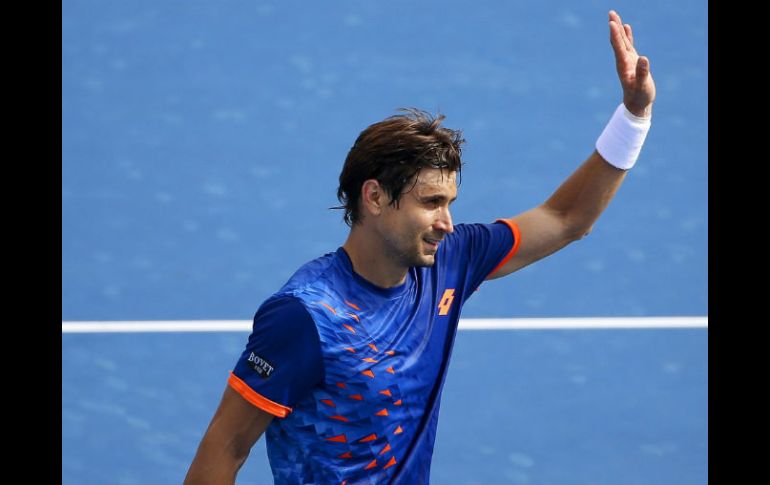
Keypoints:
(413, 231)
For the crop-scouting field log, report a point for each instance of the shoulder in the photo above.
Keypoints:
(283, 316)
(467, 236)
(478, 229)
(281, 304)
(317, 272)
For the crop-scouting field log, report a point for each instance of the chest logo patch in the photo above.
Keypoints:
(446, 301)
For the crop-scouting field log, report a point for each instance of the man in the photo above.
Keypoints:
(345, 364)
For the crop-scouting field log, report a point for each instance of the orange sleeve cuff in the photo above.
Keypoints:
(257, 399)
(516, 240)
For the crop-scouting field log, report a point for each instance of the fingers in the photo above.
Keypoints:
(623, 38)
(629, 34)
(616, 39)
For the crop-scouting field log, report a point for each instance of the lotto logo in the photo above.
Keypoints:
(446, 301)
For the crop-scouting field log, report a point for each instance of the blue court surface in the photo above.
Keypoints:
(201, 145)
(590, 407)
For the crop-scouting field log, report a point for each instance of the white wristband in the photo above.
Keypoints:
(623, 137)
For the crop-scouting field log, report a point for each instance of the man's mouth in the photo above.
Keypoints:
(432, 242)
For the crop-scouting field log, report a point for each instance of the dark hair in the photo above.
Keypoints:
(393, 151)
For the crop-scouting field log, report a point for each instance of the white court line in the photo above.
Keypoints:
(465, 324)
(582, 323)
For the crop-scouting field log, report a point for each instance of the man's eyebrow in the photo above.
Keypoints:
(437, 197)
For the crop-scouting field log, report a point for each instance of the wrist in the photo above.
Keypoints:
(621, 141)
(637, 110)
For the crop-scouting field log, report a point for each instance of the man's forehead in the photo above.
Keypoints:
(435, 179)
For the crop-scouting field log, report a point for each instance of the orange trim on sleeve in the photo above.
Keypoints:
(257, 399)
(516, 240)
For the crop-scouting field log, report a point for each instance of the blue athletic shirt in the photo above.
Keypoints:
(355, 371)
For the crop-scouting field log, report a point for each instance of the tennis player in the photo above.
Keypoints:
(345, 365)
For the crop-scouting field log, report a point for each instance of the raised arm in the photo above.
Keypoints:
(570, 213)
(235, 427)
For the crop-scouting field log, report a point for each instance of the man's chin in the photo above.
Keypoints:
(426, 260)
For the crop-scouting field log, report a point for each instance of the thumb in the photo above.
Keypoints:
(642, 69)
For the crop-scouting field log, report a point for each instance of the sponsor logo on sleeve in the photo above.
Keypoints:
(260, 365)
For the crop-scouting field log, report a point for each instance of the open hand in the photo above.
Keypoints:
(633, 69)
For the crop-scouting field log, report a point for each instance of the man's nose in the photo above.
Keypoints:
(444, 222)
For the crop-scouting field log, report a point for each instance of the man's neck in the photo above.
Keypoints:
(370, 262)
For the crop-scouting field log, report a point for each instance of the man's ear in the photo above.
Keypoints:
(373, 197)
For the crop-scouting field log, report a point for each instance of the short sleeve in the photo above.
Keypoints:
(282, 361)
(476, 251)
